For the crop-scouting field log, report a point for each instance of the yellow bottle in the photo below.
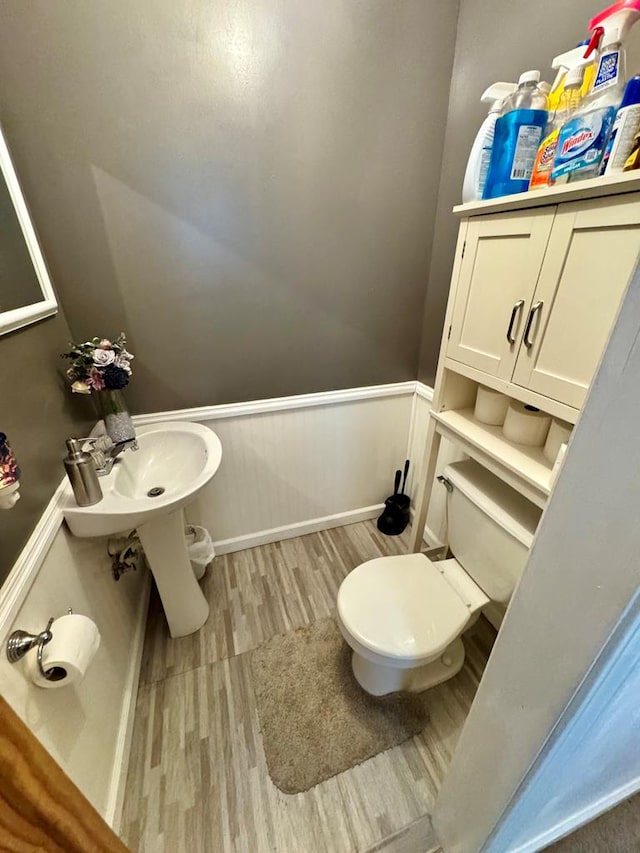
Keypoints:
(572, 89)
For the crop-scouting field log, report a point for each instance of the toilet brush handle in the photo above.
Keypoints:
(406, 471)
(396, 484)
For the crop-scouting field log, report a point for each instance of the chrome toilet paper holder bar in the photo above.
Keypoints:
(20, 642)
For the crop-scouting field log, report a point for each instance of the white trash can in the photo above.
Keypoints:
(200, 548)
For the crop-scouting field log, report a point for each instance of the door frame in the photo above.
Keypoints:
(40, 807)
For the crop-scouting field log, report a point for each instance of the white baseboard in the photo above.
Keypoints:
(115, 802)
(264, 537)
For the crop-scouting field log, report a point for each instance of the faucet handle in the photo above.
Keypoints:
(102, 453)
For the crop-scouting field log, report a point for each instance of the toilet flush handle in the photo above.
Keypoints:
(445, 482)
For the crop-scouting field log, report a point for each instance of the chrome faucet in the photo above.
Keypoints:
(104, 452)
(121, 446)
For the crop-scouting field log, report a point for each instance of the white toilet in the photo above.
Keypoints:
(404, 616)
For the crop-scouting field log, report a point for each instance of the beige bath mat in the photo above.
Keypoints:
(315, 719)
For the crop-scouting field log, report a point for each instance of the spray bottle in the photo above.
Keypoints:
(582, 140)
(517, 137)
(570, 65)
(569, 103)
(563, 63)
(478, 166)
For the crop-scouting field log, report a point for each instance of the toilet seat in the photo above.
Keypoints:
(400, 608)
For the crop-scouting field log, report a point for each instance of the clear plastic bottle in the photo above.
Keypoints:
(517, 138)
(530, 94)
(541, 173)
(570, 100)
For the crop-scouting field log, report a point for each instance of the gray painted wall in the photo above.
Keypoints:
(495, 41)
(246, 187)
(37, 413)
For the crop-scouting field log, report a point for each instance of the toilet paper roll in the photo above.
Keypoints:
(525, 424)
(559, 433)
(491, 406)
(68, 654)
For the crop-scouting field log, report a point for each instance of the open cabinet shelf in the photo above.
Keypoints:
(526, 469)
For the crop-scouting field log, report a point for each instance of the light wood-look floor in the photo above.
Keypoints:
(198, 781)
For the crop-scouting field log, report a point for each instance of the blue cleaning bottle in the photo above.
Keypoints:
(517, 137)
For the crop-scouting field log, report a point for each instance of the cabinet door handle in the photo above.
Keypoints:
(527, 340)
(514, 313)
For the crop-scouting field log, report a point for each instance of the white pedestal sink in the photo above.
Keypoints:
(148, 489)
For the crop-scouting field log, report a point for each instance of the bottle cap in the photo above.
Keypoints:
(631, 92)
(574, 78)
(529, 77)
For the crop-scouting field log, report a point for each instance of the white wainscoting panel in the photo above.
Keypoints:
(85, 727)
(284, 473)
(289, 466)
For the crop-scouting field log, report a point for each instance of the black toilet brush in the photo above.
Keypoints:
(396, 513)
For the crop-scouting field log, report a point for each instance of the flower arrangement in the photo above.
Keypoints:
(99, 365)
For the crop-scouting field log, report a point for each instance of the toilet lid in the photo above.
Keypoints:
(401, 607)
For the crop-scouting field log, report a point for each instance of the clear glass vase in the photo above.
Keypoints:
(113, 411)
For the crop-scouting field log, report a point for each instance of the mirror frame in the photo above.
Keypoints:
(16, 318)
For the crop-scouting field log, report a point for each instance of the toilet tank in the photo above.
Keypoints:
(490, 528)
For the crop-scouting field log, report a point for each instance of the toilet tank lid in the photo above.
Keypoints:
(511, 510)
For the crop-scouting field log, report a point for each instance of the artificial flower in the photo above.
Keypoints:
(122, 361)
(98, 364)
(103, 357)
(96, 379)
(114, 377)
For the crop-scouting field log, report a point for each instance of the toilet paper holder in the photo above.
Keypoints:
(20, 642)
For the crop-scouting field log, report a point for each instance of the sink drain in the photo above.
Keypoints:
(155, 492)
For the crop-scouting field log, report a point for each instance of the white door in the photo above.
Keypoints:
(592, 252)
(503, 256)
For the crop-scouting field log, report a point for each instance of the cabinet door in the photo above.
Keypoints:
(592, 252)
(502, 259)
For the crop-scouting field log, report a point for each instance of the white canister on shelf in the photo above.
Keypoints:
(525, 424)
(491, 406)
(559, 433)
